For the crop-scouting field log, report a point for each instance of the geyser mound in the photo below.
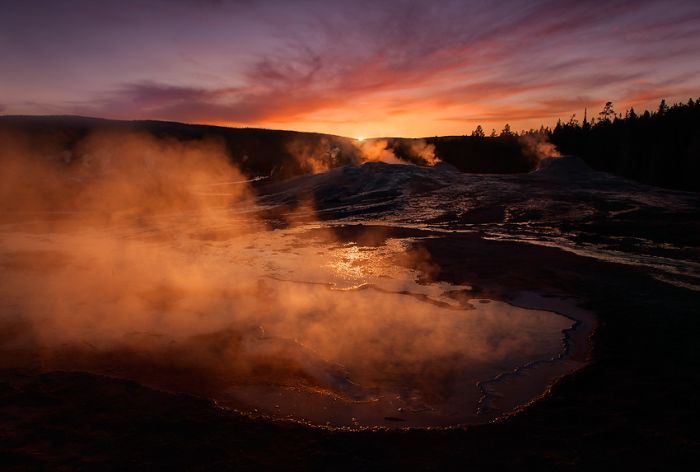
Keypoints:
(563, 167)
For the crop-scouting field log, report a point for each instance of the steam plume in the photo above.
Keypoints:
(538, 147)
(147, 259)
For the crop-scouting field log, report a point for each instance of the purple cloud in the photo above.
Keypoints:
(330, 61)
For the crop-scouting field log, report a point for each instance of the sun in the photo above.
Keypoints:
(360, 138)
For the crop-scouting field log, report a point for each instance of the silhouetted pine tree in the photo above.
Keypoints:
(659, 148)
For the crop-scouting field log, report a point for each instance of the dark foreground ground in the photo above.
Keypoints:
(634, 407)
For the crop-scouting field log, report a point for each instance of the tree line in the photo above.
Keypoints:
(659, 147)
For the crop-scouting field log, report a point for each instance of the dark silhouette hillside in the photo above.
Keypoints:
(275, 153)
(255, 151)
(487, 155)
(660, 148)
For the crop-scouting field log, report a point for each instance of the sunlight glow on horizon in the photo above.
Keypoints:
(260, 65)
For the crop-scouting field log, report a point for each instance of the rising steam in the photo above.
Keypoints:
(377, 150)
(409, 151)
(320, 156)
(147, 259)
(538, 147)
(424, 151)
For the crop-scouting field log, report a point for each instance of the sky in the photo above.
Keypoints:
(358, 69)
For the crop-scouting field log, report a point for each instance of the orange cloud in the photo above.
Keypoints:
(400, 68)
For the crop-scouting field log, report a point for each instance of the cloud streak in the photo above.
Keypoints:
(401, 67)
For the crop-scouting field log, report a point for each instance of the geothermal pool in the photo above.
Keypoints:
(290, 323)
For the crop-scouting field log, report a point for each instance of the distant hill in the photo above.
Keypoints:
(276, 153)
(255, 151)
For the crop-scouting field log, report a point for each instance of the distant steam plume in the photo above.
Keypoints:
(538, 147)
(398, 151)
(319, 156)
(377, 150)
(420, 149)
(316, 156)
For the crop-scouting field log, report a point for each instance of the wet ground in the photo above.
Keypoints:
(290, 323)
(564, 241)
